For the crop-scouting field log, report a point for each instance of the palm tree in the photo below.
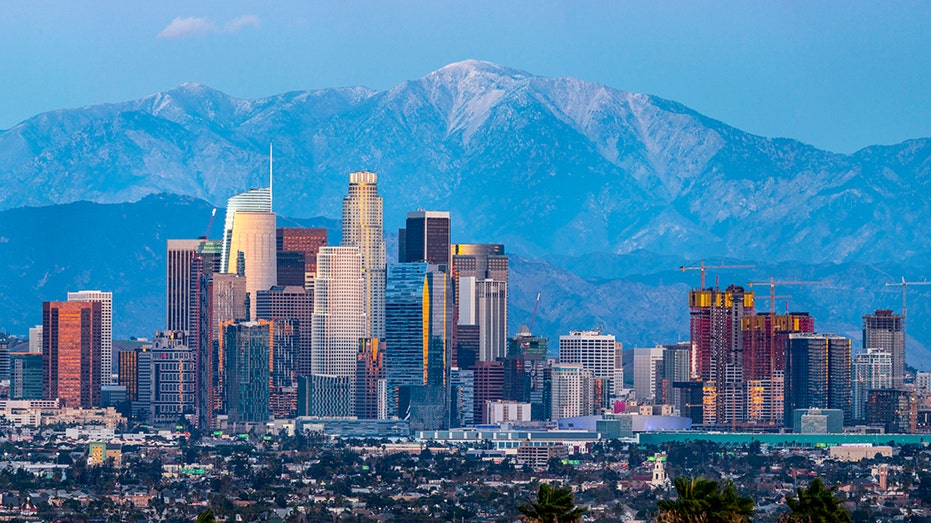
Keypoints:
(815, 504)
(553, 505)
(703, 500)
(206, 517)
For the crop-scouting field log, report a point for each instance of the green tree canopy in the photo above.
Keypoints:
(553, 505)
(815, 504)
(702, 500)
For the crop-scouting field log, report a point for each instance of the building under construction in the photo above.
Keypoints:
(715, 318)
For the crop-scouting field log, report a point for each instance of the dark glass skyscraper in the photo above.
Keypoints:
(246, 351)
(817, 374)
(417, 311)
(425, 238)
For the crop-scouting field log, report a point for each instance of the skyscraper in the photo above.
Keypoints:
(594, 351)
(178, 292)
(363, 229)
(480, 282)
(296, 305)
(302, 241)
(246, 353)
(172, 372)
(253, 235)
(417, 313)
(717, 358)
(817, 374)
(71, 352)
(872, 369)
(571, 389)
(255, 200)
(648, 374)
(371, 385)
(339, 322)
(106, 329)
(25, 376)
(426, 238)
(885, 330)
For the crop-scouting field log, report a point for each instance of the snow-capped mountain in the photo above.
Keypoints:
(546, 165)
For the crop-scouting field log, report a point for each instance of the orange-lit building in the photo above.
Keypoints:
(71, 342)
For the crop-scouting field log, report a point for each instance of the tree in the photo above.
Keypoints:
(553, 505)
(815, 504)
(206, 517)
(702, 500)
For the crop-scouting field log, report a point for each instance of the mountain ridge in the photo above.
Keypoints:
(591, 167)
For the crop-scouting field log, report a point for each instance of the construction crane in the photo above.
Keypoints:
(905, 285)
(702, 267)
(210, 223)
(772, 288)
(535, 307)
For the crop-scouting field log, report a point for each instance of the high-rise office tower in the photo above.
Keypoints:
(228, 303)
(246, 353)
(885, 330)
(817, 374)
(296, 244)
(339, 322)
(714, 323)
(487, 385)
(294, 304)
(872, 369)
(571, 391)
(527, 343)
(128, 362)
(25, 376)
(480, 283)
(283, 367)
(371, 382)
(35, 339)
(675, 369)
(71, 343)
(254, 237)
(462, 397)
(594, 351)
(178, 292)
(648, 374)
(172, 372)
(5, 343)
(204, 265)
(362, 228)
(254, 200)
(106, 329)
(417, 313)
(425, 238)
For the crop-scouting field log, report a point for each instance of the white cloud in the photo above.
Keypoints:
(182, 27)
(242, 22)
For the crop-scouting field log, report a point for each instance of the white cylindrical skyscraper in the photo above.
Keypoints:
(254, 235)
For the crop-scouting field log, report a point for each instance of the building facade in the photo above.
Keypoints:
(106, 329)
(818, 374)
(885, 330)
(71, 343)
(363, 229)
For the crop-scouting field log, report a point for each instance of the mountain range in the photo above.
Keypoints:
(599, 194)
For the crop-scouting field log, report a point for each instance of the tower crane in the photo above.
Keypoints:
(905, 285)
(702, 267)
(535, 307)
(210, 223)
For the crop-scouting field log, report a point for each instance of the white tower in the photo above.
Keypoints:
(106, 329)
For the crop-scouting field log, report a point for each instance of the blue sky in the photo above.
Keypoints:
(837, 75)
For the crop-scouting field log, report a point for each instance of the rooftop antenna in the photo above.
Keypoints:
(270, 176)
